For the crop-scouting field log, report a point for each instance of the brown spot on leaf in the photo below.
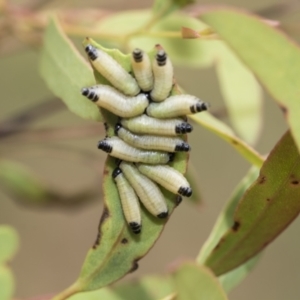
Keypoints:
(262, 180)
(104, 216)
(268, 199)
(283, 109)
(234, 142)
(295, 182)
(219, 244)
(124, 241)
(135, 266)
(235, 227)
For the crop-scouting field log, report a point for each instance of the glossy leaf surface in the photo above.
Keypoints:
(266, 209)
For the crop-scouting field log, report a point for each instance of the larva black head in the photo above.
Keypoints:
(161, 58)
(183, 128)
(116, 172)
(103, 145)
(185, 191)
(91, 52)
(90, 94)
(117, 128)
(184, 147)
(137, 55)
(200, 106)
(163, 215)
(135, 227)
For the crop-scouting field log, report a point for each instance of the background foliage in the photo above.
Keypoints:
(39, 128)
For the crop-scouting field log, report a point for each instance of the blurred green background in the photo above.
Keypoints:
(55, 238)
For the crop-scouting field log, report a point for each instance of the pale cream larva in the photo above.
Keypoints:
(112, 71)
(148, 192)
(115, 147)
(147, 125)
(129, 201)
(109, 98)
(151, 142)
(176, 106)
(142, 69)
(163, 76)
(168, 177)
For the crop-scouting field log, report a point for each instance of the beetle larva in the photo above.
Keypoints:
(115, 147)
(142, 69)
(176, 106)
(109, 98)
(168, 177)
(147, 125)
(129, 201)
(163, 76)
(112, 71)
(151, 142)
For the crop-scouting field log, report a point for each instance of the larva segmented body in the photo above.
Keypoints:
(142, 69)
(147, 125)
(109, 98)
(176, 106)
(115, 147)
(151, 142)
(129, 200)
(112, 71)
(168, 177)
(163, 76)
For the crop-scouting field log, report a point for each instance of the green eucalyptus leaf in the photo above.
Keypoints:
(117, 250)
(241, 92)
(266, 209)
(146, 288)
(66, 72)
(167, 32)
(273, 58)
(162, 8)
(194, 282)
(7, 284)
(223, 223)
(222, 130)
(9, 243)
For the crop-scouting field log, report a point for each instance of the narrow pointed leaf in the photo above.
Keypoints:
(9, 243)
(267, 208)
(272, 57)
(241, 92)
(222, 130)
(194, 282)
(66, 72)
(224, 222)
(117, 250)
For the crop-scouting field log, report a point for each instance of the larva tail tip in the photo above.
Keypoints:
(117, 128)
(84, 91)
(201, 106)
(116, 172)
(163, 215)
(171, 157)
(178, 200)
(189, 127)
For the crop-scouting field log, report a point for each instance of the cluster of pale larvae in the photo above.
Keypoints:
(149, 131)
